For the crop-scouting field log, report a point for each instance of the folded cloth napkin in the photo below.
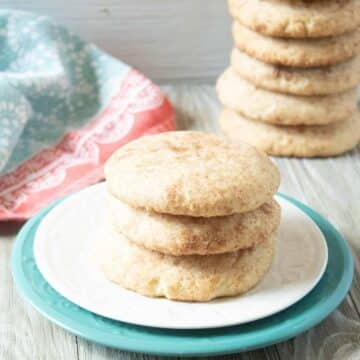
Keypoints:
(65, 106)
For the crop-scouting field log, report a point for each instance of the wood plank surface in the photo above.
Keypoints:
(166, 39)
(331, 186)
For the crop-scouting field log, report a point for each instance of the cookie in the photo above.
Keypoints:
(186, 235)
(297, 52)
(259, 104)
(187, 278)
(191, 173)
(297, 81)
(300, 141)
(297, 18)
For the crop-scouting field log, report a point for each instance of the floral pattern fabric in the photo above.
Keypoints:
(65, 106)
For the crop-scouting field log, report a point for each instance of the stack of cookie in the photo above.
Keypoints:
(291, 86)
(193, 216)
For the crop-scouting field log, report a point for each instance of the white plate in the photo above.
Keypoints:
(64, 246)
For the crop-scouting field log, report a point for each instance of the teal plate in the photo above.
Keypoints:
(309, 311)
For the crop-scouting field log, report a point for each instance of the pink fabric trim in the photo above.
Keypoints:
(137, 108)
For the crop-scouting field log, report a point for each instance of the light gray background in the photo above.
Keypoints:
(166, 39)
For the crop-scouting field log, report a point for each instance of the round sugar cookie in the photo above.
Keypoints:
(297, 52)
(187, 278)
(191, 173)
(297, 81)
(299, 141)
(297, 18)
(263, 105)
(186, 235)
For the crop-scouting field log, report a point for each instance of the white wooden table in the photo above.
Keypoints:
(331, 186)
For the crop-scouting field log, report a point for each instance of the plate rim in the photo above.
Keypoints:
(229, 344)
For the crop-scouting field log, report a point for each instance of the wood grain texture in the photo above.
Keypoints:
(166, 39)
(331, 186)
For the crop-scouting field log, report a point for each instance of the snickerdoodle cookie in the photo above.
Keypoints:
(297, 52)
(186, 235)
(191, 173)
(297, 81)
(301, 141)
(297, 18)
(187, 278)
(263, 105)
